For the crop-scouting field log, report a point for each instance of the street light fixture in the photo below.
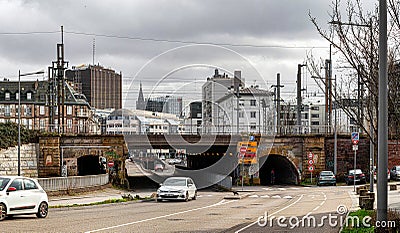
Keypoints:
(371, 153)
(19, 114)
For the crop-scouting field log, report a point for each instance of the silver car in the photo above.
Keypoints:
(177, 188)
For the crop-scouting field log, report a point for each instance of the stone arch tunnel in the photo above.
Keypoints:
(285, 171)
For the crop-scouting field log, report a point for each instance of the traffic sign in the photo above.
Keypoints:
(310, 155)
(355, 138)
(110, 163)
(243, 149)
(311, 168)
(355, 147)
(310, 162)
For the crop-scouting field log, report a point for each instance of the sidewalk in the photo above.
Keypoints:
(95, 196)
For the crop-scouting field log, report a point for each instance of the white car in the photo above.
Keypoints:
(22, 195)
(177, 188)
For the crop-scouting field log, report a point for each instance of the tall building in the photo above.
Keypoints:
(215, 88)
(101, 86)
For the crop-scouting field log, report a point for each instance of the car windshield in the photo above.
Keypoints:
(326, 173)
(3, 183)
(175, 182)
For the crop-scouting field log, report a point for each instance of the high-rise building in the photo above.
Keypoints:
(214, 89)
(101, 86)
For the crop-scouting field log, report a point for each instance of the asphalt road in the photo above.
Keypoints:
(209, 213)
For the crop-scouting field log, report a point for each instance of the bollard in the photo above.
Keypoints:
(368, 203)
(363, 192)
(393, 187)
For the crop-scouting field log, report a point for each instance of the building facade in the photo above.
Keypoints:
(214, 89)
(35, 109)
(254, 115)
(101, 86)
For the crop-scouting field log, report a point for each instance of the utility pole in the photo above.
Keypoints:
(278, 102)
(60, 67)
(299, 97)
(383, 116)
(328, 94)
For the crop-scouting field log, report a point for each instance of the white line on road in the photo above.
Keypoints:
(223, 202)
(284, 208)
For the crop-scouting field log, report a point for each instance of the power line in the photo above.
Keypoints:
(193, 42)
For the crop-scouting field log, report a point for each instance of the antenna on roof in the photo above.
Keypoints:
(94, 49)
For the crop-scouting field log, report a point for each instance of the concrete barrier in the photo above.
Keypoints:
(73, 182)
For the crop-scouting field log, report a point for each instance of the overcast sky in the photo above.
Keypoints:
(166, 44)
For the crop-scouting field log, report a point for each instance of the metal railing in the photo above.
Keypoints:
(73, 182)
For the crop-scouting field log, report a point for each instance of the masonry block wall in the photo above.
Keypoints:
(29, 160)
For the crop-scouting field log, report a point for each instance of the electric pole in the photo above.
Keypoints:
(278, 102)
(299, 97)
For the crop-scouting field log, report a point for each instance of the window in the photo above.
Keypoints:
(29, 96)
(42, 123)
(315, 108)
(7, 95)
(253, 127)
(69, 123)
(314, 115)
(17, 96)
(29, 184)
(253, 103)
(253, 114)
(41, 110)
(241, 114)
(17, 183)
(27, 110)
(69, 110)
(315, 123)
(7, 110)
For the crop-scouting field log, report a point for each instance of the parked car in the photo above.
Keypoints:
(326, 177)
(375, 172)
(22, 195)
(359, 177)
(395, 173)
(177, 188)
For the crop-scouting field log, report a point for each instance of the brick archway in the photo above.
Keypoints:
(284, 170)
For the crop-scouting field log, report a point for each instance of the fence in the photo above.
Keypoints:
(73, 182)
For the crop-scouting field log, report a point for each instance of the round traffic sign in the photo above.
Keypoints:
(310, 155)
(243, 149)
(311, 168)
(110, 163)
(310, 162)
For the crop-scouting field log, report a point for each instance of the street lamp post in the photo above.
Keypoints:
(19, 114)
(371, 153)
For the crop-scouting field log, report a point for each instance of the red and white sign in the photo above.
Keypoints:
(310, 155)
(110, 163)
(355, 138)
(310, 162)
(243, 149)
(311, 168)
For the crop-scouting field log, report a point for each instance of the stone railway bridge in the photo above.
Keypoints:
(287, 155)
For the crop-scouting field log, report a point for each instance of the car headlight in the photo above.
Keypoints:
(181, 191)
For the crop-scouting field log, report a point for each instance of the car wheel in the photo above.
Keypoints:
(43, 210)
(3, 211)
(195, 196)
(187, 196)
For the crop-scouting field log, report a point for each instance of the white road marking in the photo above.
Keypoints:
(281, 189)
(223, 202)
(276, 196)
(287, 197)
(266, 189)
(265, 196)
(254, 196)
(284, 208)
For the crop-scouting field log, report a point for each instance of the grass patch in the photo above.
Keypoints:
(109, 201)
(361, 214)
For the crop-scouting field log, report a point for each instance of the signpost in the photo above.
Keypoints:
(311, 164)
(355, 138)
